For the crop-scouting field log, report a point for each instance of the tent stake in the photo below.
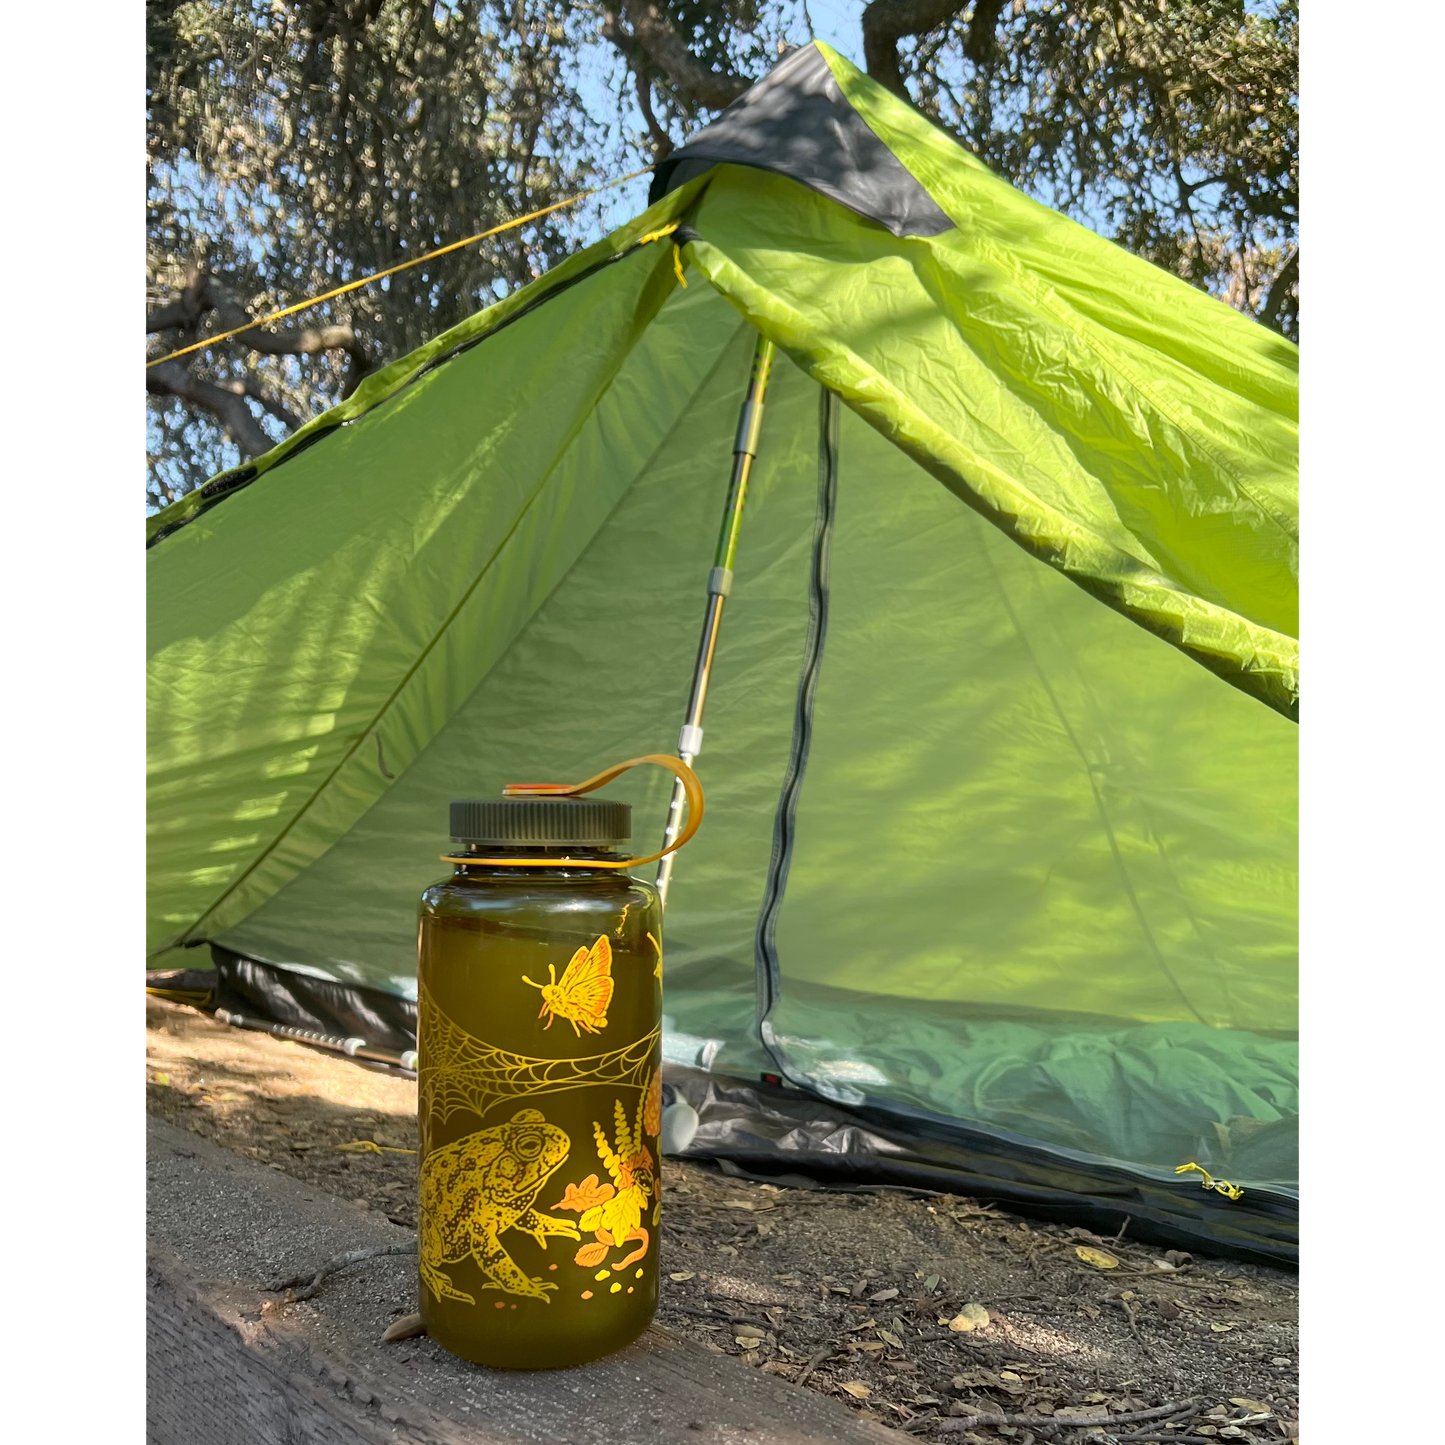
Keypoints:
(719, 584)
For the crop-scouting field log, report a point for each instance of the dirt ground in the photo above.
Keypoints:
(851, 1294)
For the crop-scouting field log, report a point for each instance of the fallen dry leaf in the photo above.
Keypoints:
(856, 1388)
(1253, 1406)
(931, 1283)
(1220, 1329)
(683, 1274)
(883, 1294)
(970, 1317)
(1099, 1258)
(777, 1367)
(891, 1339)
(408, 1327)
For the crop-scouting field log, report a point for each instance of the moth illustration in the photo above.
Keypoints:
(583, 992)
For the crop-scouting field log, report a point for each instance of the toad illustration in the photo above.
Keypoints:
(483, 1184)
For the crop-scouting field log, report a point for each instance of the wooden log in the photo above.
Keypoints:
(222, 1372)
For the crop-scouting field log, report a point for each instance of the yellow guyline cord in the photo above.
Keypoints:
(417, 261)
(1220, 1186)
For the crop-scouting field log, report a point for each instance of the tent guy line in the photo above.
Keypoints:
(392, 270)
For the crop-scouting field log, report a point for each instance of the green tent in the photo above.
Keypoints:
(1000, 755)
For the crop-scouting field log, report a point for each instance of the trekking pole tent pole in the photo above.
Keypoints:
(353, 1048)
(719, 585)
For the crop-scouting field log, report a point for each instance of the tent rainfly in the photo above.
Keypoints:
(996, 889)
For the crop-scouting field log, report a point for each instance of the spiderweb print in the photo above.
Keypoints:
(460, 1071)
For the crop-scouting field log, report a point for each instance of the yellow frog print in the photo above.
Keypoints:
(483, 1184)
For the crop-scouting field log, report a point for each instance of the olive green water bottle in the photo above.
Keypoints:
(539, 1041)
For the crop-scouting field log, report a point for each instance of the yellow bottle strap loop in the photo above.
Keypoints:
(1220, 1186)
(691, 788)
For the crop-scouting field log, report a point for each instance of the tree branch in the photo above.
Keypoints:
(249, 386)
(200, 297)
(177, 313)
(648, 29)
(886, 22)
(662, 146)
(187, 309)
(1279, 290)
(304, 341)
(982, 27)
(170, 378)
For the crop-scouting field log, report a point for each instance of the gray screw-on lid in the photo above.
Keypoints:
(593, 821)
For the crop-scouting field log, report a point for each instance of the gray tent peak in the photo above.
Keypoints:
(796, 121)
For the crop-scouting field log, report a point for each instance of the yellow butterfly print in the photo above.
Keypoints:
(583, 992)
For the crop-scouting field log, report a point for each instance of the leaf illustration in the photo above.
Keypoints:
(582, 1197)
